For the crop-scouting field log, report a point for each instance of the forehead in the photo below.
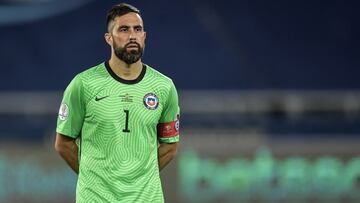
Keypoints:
(130, 19)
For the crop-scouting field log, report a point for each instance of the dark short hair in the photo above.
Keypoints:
(120, 10)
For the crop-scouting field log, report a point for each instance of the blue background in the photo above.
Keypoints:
(201, 44)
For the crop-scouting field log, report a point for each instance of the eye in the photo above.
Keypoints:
(123, 29)
(138, 29)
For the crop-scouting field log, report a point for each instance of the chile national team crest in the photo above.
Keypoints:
(151, 101)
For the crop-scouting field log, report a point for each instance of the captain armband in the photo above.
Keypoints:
(170, 129)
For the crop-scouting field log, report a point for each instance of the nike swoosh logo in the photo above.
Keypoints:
(100, 98)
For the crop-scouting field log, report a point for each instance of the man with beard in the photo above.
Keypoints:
(118, 123)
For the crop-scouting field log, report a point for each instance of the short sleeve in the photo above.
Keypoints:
(168, 127)
(72, 110)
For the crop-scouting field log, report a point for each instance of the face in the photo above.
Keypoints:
(127, 37)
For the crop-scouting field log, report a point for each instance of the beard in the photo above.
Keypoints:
(129, 57)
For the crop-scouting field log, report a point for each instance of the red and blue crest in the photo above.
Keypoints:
(151, 101)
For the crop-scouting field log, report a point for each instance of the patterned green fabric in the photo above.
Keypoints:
(116, 123)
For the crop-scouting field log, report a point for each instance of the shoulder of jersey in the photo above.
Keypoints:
(93, 72)
(156, 73)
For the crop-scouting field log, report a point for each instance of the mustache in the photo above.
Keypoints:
(132, 44)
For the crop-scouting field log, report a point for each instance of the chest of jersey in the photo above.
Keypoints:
(127, 108)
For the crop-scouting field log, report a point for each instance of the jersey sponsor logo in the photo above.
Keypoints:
(151, 101)
(100, 98)
(63, 112)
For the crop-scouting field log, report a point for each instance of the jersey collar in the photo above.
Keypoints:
(116, 77)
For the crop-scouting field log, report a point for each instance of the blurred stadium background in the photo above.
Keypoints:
(269, 93)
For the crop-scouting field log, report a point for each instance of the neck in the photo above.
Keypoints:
(124, 70)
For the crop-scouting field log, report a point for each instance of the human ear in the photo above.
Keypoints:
(108, 38)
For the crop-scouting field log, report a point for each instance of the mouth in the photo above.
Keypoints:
(133, 45)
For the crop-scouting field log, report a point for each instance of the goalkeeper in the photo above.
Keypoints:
(118, 123)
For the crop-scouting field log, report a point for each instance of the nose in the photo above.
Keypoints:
(132, 39)
(132, 36)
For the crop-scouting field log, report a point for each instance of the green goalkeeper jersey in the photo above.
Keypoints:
(118, 124)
